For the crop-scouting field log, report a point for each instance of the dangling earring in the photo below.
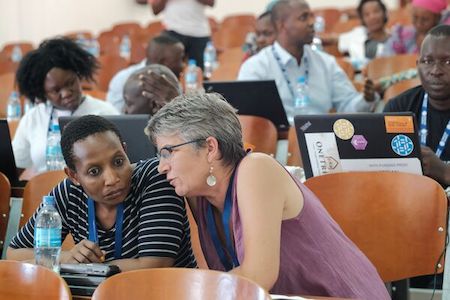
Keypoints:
(211, 179)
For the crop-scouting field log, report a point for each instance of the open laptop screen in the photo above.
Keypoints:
(131, 128)
(7, 162)
(254, 98)
(358, 142)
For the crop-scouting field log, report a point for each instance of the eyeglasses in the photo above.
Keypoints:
(166, 151)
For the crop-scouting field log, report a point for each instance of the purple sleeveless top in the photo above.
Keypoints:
(316, 257)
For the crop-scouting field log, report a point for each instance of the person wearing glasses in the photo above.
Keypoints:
(103, 188)
(50, 77)
(254, 219)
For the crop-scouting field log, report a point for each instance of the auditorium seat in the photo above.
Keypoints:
(178, 283)
(398, 220)
(384, 66)
(23, 281)
(259, 132)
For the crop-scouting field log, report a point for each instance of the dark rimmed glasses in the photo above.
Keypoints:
(166, 151)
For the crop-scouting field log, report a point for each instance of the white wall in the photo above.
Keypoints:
(34, 20)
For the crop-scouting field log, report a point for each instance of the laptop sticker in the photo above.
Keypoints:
(359, 142)
(399, 124)
(343, 129)
(323, 153)
(402, 145)
(306, 126)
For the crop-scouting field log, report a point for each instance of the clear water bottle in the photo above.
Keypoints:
(16, 54)
(47, 235)
(303, 104)
(319, 27)
(53, 154)
(82, 41)
(125, 47)
(191, 78)
(209, 59)
(27, 106)
(319, 24)
(94, 47)
(13, 108)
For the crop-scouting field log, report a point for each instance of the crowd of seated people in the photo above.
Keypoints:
(202, 158)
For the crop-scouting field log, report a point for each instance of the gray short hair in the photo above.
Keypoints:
(198, 116)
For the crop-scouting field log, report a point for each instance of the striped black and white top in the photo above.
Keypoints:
(155, 223)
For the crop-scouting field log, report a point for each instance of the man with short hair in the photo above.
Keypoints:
(164, 50)
(291, 57)
(431, 103)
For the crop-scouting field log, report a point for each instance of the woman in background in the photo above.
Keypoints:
(50, 78)
(365, 42)
(407, 39)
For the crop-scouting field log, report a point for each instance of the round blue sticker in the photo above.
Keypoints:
(402, 145)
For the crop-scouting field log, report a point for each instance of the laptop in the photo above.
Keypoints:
(7, 161)
(131, 128)
(255, 98)
(358, 142)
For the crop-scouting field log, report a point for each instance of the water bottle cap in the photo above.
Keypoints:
(55, 127)
(48, 200)
(301, 79)
(192, 62)
(14, 94)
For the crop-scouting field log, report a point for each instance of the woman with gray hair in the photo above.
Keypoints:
(254, 218)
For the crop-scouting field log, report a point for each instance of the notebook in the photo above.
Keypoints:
(358, 142)
(131, 128)
(255, 98)
(7, 162)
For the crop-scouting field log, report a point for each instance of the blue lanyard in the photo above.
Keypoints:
(93, 236)
(212, 229)
(284, 71)
(424, 129)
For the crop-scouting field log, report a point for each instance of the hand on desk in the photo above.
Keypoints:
(434, 167)
(83, 252)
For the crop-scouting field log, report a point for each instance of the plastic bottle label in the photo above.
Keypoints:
(47, 237)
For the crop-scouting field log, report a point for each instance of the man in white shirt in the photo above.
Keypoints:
(164, 50)
(291, 57)
(186, 21)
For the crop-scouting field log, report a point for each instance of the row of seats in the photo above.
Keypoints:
(22, 281)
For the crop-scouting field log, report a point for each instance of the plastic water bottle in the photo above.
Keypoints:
(13, 109)
(191, 78)
(16, 54)
(53, 154)
(125, 47)
(82, 41)
(319, 24)
(47, 235)
(303, 105)
(319, 27)
(94, 47)
(27, 106)
(209, 59)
